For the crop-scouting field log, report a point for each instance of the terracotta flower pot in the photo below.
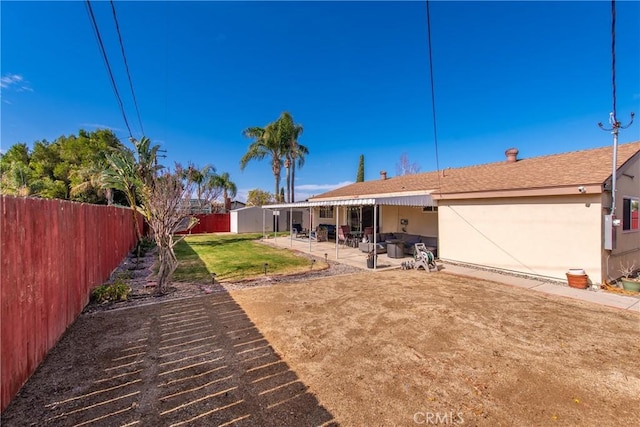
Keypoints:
(578, 281)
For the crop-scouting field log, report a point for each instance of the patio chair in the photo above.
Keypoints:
(423, 258)
(368, 233)
(319, 235)
(344, 235)
(298, 231)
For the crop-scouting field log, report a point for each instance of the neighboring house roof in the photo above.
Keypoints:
(247, 208)
(552, 174)
(195, 206)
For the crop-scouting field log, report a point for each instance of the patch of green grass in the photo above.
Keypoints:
(233, 257)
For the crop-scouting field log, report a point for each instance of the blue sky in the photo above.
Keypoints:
(531, 75)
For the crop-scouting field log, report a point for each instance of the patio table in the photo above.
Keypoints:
(356, 238)
(395, 248)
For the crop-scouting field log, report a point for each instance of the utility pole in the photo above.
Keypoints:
(160, 155)
(610, 221)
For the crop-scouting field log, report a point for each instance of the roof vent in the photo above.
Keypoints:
(383, 175)
(512, 155)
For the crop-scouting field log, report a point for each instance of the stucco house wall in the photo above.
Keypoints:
(627, 250)
(327, 219)
(421, 223)
(543, 236)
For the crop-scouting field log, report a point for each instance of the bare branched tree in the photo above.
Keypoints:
(405, 167)
(161, 206)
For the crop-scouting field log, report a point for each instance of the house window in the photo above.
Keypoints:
(326, 212)
(630, 214)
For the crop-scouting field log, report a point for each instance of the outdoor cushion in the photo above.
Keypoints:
(385, 236)
(410, 242)
(411, 239)
(430, 241)
(381, 247)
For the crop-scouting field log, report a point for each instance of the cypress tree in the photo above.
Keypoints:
(360, 176)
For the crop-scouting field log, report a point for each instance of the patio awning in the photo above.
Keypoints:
(399, 200)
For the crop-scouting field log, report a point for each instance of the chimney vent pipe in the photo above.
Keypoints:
(512, 155)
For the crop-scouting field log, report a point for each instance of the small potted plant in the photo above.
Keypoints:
(577, 278)
(629, 282)
(371, 256)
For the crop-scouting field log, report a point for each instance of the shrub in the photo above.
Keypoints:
(144, 245)
(117, 291)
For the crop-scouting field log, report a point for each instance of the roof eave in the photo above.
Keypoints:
(523, 192)
(374, 195)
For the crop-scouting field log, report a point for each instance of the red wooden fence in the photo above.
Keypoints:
(52, 253)
(212, 223)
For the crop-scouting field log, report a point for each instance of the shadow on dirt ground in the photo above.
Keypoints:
(196, 361)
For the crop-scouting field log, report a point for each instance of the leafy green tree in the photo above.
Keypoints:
(360, 176)
(16, 177)
(17, 153)
(67, 168)
(257, 197)
(85, 177)
(51, 170)
(50, 188)
(45, 158)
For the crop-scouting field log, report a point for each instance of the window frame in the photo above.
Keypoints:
(323, 210)
(627, 214)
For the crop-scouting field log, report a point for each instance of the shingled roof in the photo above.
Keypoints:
(577, 168)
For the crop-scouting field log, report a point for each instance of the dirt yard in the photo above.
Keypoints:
(394, 348)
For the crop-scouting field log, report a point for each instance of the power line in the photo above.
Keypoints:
(616, 126)
(106, 61)
(433, 96)
(135, 102)
(613, 57)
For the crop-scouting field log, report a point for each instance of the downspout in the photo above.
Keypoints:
(309, 232)
(291, 225)
(337, 208)
(614, 170)
(375, 236)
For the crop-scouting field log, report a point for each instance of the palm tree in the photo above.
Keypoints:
(147, 162)
(90, 186)
(298, 152)
(202, 178)
(122, 174)
(290, 132)
(228, 187)
(266, 143)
